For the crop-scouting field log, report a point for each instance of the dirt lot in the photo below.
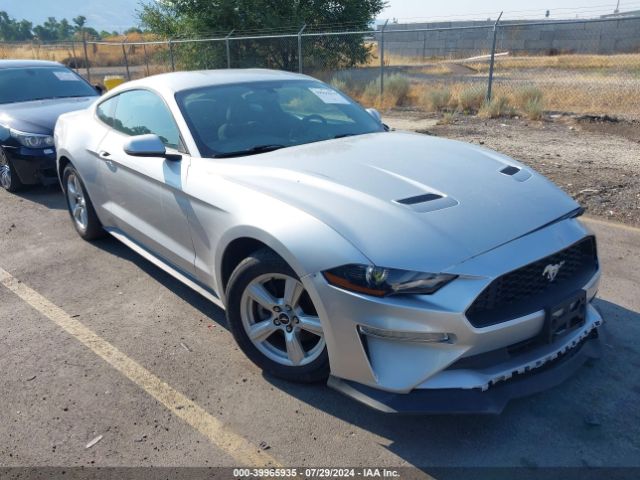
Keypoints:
(597, 162)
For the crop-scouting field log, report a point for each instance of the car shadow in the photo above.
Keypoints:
(116, 248)
(50, 196)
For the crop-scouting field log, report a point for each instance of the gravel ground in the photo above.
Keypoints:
(597, 162)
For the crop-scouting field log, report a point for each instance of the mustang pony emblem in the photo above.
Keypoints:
(551, 271)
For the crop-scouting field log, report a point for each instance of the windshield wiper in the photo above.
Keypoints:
(251, 151)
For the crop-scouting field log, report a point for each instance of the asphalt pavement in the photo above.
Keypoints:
(99, 346)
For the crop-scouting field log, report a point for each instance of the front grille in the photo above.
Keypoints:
(527, 290)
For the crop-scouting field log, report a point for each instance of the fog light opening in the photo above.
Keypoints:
(422, 337)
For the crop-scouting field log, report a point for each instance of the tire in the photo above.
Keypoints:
(9, 179)
(83, 215)
(300, 333)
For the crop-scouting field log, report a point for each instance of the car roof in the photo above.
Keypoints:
(28, 63)
(170, 83)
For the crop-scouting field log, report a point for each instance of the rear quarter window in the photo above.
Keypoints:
(105, 111)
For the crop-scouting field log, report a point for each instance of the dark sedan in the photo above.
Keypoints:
(32, 96)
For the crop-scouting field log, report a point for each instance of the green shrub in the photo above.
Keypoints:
(439, 99)
(534, 109)
(396, 91)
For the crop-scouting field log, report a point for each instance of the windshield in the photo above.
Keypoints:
(38, 83)
(250, 118)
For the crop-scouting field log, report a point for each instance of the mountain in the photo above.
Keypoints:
(101, 14)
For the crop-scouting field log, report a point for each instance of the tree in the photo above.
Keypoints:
(193, 18)
(12, 31)
(79, 21)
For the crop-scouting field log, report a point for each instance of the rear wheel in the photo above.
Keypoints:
(81, 209)
(8, 177)
(274, 320)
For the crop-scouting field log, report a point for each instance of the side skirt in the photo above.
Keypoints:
(201, 289)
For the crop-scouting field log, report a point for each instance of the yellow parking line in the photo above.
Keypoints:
(236, 446)
(606, 223)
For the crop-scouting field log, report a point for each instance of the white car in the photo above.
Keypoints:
(417, 274)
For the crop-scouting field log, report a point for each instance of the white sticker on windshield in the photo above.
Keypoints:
(66, 76)
(329, 96)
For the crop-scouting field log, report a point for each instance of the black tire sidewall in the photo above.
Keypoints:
(16, 183)
(94, 227)
(261, 263)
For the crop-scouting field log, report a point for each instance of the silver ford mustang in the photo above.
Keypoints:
(416, 274)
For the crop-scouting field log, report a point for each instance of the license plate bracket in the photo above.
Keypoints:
(565, 317)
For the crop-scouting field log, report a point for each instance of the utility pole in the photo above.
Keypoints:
(617, 10)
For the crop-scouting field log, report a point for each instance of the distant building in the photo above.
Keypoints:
(630, 13)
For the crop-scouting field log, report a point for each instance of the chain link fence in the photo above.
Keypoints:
(497, 68)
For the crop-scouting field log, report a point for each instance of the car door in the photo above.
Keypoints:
(146, 198)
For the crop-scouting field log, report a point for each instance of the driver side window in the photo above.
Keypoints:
(139, 112)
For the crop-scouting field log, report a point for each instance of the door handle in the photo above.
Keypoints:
(104, 154)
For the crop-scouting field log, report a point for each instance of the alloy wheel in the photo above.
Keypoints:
(5, 171)
(280, 320)
(77, 202)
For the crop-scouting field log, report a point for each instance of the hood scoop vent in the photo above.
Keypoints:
(516, 173)
(427, 202)
(427, 197)
(510, 170)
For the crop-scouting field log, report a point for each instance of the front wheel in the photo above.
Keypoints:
(81, 209)
(8, 176)
(274, 321)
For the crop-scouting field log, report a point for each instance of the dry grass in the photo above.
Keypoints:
(496, 108)
(471, 99)
(397, 90)
(438, 99)
(99, 55)
(621, 62)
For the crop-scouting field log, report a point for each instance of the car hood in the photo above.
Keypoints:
(40, 116)
(358, 185)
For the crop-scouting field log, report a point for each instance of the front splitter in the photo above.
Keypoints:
(472, 401)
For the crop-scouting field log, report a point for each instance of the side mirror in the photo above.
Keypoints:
(99, 88)
(375, 114)
(148, 145)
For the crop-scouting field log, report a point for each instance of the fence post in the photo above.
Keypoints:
(86, 55)
(300, 48)
(228, 48)
(493, 57)
(173, 63)
(382, 59)
(126, 60)
(75, 58)
(146, 57)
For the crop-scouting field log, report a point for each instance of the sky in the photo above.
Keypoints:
(415, 10)
(120, 14)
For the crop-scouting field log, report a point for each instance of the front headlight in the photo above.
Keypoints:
(32, 140)
(381, 282)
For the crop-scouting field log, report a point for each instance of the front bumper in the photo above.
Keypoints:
(391, 373)
(475, 401)
(33, 166)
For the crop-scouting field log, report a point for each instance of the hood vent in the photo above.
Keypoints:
(427, 197)
(427, 202)
(517, 173)
(510, 170)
